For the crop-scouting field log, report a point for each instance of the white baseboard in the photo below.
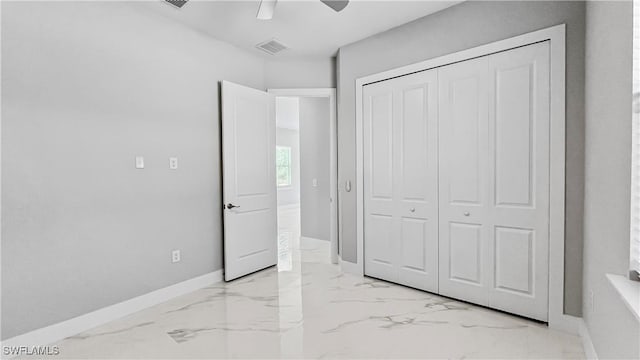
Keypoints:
(589, 349)
(312, 239)
(56, 332)
(350, 268)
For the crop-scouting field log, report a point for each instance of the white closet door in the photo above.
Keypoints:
(417, 179)
(519, 177)
(494, 180)
(379, 226)
(400, 164)
(464, 181)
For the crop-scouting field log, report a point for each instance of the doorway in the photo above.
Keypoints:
(306, 170)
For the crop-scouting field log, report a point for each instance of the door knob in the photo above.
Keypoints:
(466, 213)
(231, 206)
(412, 209)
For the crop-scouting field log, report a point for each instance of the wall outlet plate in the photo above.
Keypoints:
(175, 256)
(173, 163)
(139, 162)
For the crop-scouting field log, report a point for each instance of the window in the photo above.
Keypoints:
(283, 165)
(635, 148)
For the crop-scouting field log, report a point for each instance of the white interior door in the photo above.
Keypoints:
(249, 181)
(400, 165)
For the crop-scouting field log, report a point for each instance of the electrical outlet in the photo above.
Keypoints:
(173, 163)
(175, 256)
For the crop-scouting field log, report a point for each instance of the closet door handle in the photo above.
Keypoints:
(466, 213)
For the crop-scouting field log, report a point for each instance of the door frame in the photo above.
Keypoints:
(556, 37)
(333, 154)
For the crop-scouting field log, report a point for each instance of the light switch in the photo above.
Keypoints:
(139, 162)
(315, 182)
(173, 163)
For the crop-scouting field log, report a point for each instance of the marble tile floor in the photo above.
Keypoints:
(307, 308)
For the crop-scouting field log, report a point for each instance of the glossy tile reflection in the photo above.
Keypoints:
(307, 308)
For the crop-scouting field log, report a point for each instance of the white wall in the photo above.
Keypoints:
(290, 195)
(614, 331)
(300, 73)
(287, 112)
(314, 164)
(86, 86)
(460, 27)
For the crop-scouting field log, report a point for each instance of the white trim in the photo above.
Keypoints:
(587, 345)
(629, 292)
(556, 36)
(557, 183)
(350, 268)
(0, 164)
(56, 332)
(333, 155)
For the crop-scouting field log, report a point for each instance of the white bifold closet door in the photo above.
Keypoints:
(456, 180)
(494, 180)
(401, 181)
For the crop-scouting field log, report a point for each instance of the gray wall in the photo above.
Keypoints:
(457, 28)
(314, 164)
(614, 330)
(300, 73)
(290, 195)
(87, 86)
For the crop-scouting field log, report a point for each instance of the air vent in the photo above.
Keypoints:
(177, 3)
(272, 46)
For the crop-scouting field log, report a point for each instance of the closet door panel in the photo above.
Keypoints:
(465, 140)
(401, 208)
(463, 186)
(514, 259)
(381, 146)
(465, 255)
(519, 144)
(417, 179)
(379, 220)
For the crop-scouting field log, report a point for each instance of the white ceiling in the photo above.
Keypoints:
(308, 27)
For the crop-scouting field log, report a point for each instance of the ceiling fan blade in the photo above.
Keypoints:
(266, 9)
(336, 5)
